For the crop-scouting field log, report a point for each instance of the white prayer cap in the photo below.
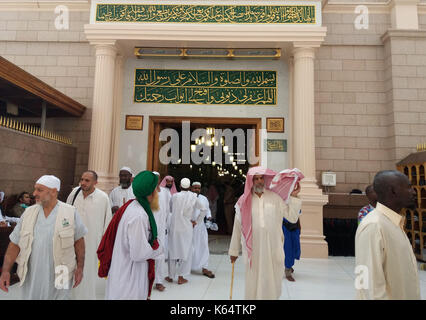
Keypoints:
(196, 183)
(156, 173)
(50, 181)
(185, 183)
(127, 169)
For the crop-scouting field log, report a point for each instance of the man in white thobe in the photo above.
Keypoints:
(385, 263)
(41, 281)
(257, 228)
(200, 238)
(94, 208)
(182, 222)
(124, 192)
(161, 218)
(135, 243)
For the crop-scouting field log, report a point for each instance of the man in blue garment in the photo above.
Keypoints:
(291, 246)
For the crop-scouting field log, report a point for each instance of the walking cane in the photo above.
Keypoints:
(232, 279)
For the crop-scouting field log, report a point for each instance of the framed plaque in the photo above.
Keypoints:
(276, 145)
(275, 124)
(134, 122)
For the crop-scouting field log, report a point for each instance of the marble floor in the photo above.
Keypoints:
(316, 279)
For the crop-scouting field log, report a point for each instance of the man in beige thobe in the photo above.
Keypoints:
(265, 263)
(385, 263)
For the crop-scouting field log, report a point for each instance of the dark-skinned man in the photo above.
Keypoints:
(385, 263)
(123, 193)
(48, 246)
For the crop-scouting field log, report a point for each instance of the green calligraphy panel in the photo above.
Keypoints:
(264, 14)
(205, 87)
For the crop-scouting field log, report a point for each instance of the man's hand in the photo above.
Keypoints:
(233, 259)
(193, 223)
(79, 248)
(5, 281)
(9, 259)
(114, 209)
(78, 276)
(296, 190)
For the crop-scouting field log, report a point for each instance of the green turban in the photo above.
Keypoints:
(144, 185)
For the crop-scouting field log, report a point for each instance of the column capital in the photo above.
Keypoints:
(303, 52)
(105, 48)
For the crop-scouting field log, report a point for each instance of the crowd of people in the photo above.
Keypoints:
(146, 233)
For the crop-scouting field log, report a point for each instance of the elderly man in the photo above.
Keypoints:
(129, 246)
(94, 208)
(258, 221)
(200, 238)
(182, 222)
(384, 257)
(48, 245)
(123, 193)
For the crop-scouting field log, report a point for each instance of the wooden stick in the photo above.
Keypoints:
(232, 280)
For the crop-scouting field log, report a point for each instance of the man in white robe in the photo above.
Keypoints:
(257, 228)
(200, 238)
(182, 222)
(94, 207)
(41, 282)
(386, 266)
(161, 218)
(124, 192)
(135, 243)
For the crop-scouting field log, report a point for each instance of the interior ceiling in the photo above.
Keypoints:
(29, 104)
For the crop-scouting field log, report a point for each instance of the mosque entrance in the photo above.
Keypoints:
(217, 152)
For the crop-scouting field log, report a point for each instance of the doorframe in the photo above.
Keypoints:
(154, 132)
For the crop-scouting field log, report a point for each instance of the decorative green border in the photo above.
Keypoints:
(205, 87)
(234, 14)
(276, 145)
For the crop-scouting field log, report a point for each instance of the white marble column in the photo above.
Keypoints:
(102, 115)
(116, 122)
(303, 138)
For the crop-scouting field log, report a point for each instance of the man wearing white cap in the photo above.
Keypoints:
(182, 222)
(123, 193)
(200, 238)
(48, 246)
(161, 219)
(94, 207)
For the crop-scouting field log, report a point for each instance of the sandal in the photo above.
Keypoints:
(208, 273)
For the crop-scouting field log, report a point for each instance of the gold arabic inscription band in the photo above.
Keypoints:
(264, 14)
(205, 87)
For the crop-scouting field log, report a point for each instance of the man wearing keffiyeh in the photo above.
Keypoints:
(258, 220)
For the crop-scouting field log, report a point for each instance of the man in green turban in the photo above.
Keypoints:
(132, 235)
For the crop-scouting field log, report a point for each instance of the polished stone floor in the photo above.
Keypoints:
(316, 279)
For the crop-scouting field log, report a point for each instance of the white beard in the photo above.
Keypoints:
(259, 189)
